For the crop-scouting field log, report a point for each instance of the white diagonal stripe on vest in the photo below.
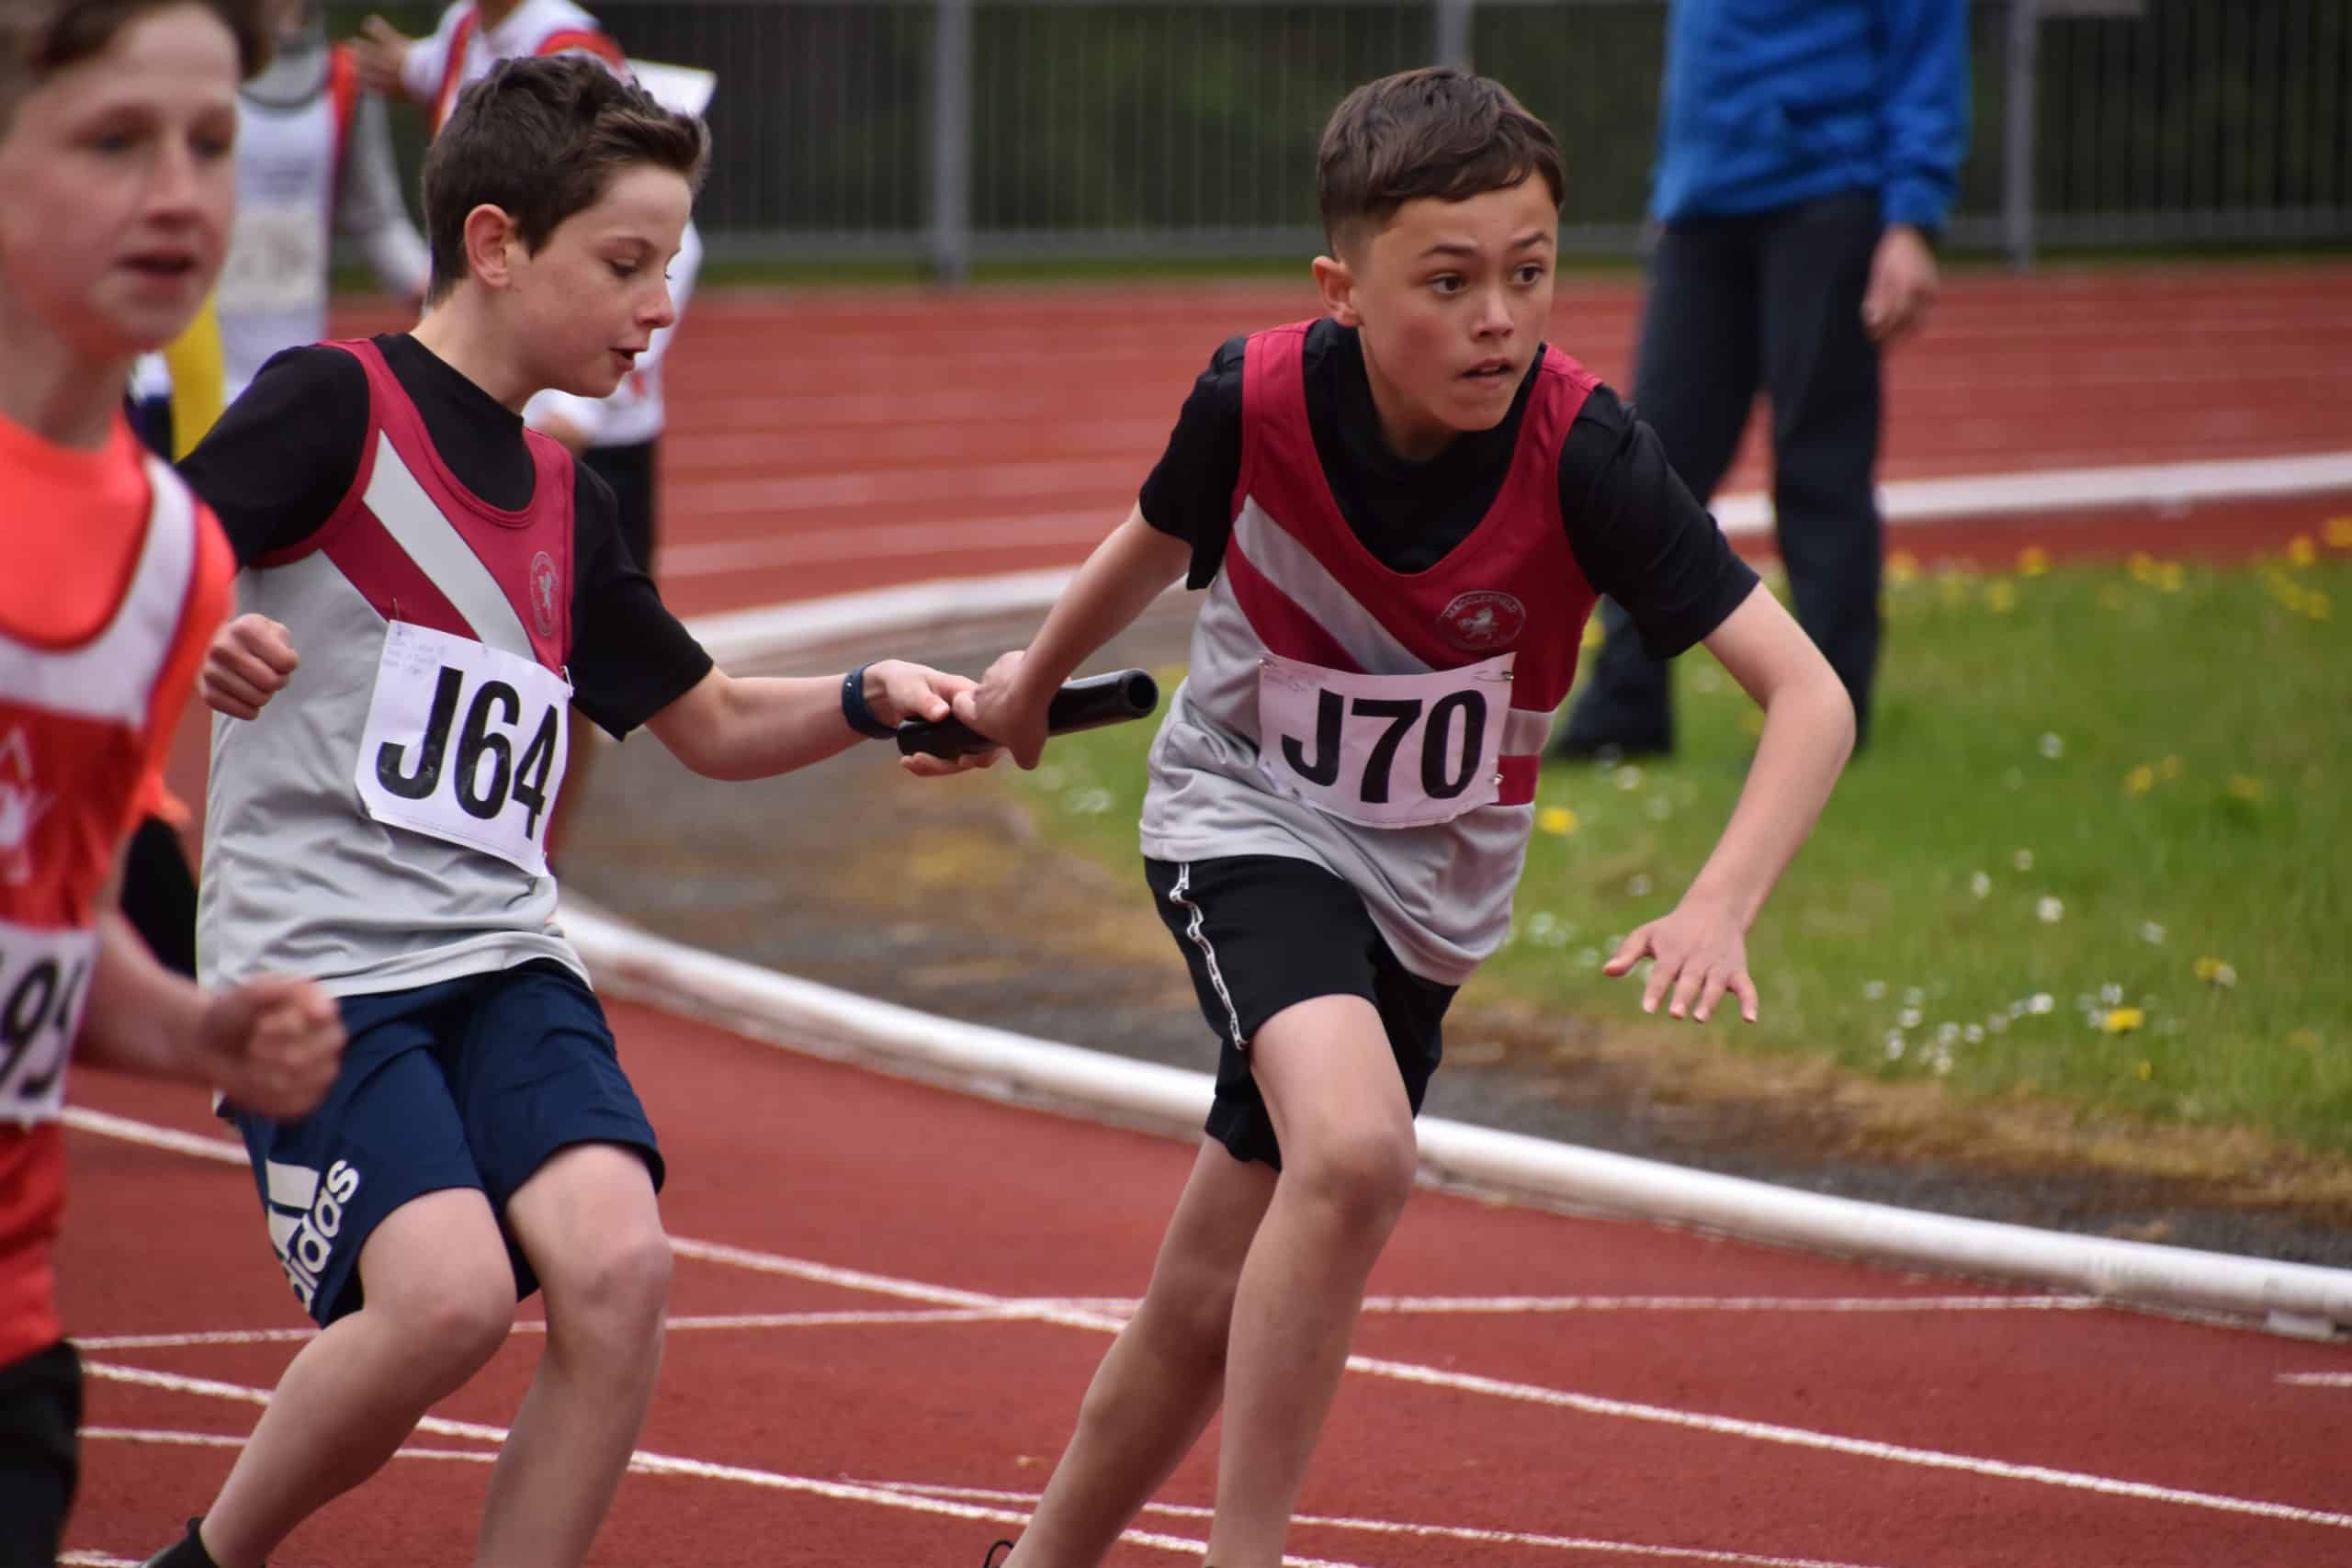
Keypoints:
(1295, 572)
(433, 543)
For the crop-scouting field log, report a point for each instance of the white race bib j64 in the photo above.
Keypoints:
(464, 743)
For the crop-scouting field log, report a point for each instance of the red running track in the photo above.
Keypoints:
(891, 1297)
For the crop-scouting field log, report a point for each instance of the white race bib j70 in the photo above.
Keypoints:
(464, 743)
(1384, 750)
(44, 983)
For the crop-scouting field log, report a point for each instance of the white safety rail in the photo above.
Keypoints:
(2287, 1297)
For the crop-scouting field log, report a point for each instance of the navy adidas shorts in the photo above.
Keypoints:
(474, 1082)
(1264, 933)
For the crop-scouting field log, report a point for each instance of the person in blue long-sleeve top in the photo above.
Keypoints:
(1808, 152)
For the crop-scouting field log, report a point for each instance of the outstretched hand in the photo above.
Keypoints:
(272, 1045)
(379, 53)
(997, 708)
(897, 691)
(1699, 956)
(247, 664)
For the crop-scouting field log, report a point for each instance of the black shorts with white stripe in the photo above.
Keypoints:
(1264, 933)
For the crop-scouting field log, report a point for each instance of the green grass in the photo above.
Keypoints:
(2086, 791)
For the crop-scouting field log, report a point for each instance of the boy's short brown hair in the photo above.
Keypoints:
(540, 138)
(40, 38)
(1436, 131)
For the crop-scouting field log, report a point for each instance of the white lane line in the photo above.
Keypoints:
(1429, 1533)
(1861, 1447)
(218, 1440)
(1405, 1372)
(538, 1325)
(2318, 1380)
(644, 1463)
(220, 1150)
(1415, 1306)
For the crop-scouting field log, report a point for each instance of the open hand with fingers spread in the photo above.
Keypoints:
(271, 1045)
(1700, 953)
(248, 663)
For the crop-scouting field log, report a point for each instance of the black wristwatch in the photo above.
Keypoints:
(860, 717)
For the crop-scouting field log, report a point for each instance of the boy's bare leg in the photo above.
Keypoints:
(1346, 1131)
(1159, 1383)
(588, 1221)
(440, 1300)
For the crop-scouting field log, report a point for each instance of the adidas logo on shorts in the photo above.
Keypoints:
(305, 1215)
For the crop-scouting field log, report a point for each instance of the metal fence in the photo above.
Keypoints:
(953, 130)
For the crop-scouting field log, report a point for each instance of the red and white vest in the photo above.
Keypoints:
(1387, 725)
(75, 749)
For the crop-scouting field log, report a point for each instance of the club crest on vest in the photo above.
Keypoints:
(543, 592)
(1483, 621)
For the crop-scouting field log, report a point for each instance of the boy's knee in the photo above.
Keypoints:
(1366, 1174)
(614, 1290)
(453, 1323)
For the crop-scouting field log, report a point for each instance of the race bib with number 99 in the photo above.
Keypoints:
(44, 983)
(1384, 750)
(464, 743)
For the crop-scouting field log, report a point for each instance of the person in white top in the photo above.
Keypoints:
(314, 154)
(617, 437)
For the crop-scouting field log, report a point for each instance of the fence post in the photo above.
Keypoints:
(1450, 44)
(2021, 59)
(949, 251)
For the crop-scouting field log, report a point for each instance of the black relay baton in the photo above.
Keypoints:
(1089, 703)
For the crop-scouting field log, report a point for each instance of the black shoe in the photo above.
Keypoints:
(185, 1552)
(991, 1560)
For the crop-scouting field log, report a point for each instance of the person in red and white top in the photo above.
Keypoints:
(115, 196)
(1401, 514)
(471, 36)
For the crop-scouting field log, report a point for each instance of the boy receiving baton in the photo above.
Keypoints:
(428, 586)
(1401, 513)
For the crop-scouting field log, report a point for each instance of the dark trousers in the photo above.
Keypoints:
(1770, 300)
(41, 1406)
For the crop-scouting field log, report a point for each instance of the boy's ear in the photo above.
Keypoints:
(492, 243)
(1337, 284)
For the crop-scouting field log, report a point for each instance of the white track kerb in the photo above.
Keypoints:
(802, 1015)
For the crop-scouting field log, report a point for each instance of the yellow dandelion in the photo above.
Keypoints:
(2033, 560)
(1903, 567)
(2140, 780)
(2304, 1040)
(2144, 1070)
(2141, 566)
(2215, 971)
(2000, 596)
(2168, 576)
(2246, 788)
(2337, 532)
(2122, 1020)
(2169, 768)
(2300, 550)
(2317, 605)
(1557, 820)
